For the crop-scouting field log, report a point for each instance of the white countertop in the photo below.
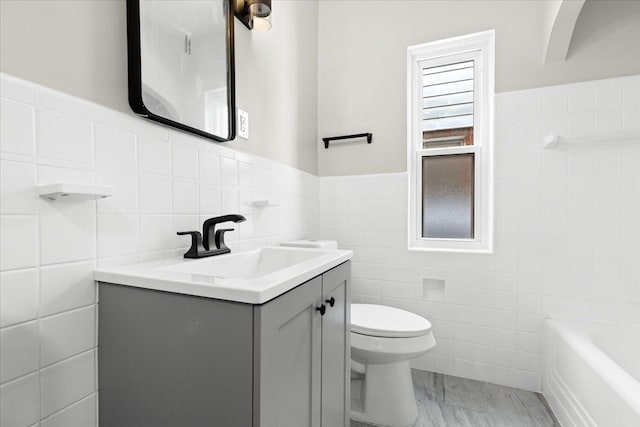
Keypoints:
(253, 277)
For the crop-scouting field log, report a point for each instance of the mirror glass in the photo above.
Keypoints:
(181, 64)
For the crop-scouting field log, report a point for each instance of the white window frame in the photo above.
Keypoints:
(480, 48)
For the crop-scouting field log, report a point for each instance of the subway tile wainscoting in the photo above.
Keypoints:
(165, 181)
(567, 235)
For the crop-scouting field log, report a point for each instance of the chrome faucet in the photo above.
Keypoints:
(201, 246)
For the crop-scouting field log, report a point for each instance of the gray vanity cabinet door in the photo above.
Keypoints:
(336, 359)
(287, 352)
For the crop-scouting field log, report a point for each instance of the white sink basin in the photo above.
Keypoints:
(252, 277)
(246, 265)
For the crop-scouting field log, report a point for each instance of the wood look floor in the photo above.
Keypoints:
(446, 401)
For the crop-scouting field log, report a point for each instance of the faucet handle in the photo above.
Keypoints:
(209, 225)
(219, 239)
(196, 243)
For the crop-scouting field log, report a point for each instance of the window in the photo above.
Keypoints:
(450, 132)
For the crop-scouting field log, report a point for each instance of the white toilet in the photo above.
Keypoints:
(383, 342)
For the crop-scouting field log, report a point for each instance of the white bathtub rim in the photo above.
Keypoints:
(620, 381)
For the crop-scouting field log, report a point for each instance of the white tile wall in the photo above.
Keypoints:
(79, 414)
(567, 235)
(154, 155)
(18, 296)
(64, 137)
(66, 334)
(22, 229)
(66, 286)
(20, 401)
(17, 181)
(19, 350)
(66, 382)
(165, 182)
(16, 127)
(115, 148)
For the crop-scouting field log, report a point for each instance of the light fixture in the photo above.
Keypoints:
(254, 14)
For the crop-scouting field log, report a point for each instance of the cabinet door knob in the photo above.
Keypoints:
(331, 301)
(322, 309)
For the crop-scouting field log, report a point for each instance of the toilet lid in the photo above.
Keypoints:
(384, 321)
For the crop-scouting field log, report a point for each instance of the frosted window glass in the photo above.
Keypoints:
(447, 196)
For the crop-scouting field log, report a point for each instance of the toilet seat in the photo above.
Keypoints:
(383, 321)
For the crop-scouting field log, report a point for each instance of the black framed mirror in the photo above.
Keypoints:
(181, 64)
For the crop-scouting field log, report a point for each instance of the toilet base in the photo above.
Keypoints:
(384, 396)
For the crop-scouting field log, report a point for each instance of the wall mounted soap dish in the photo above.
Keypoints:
(75, 192)
(553, 140)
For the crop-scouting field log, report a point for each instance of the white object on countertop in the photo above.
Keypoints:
(72, 191)
(311, 243)
(253, 277)
(263, 204)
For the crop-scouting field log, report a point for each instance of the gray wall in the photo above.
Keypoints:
(355, 81)
(362, 62)
(79, 47)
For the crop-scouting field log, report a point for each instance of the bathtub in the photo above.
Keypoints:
(592, 374)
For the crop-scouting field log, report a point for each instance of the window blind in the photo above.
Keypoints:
(447, 96)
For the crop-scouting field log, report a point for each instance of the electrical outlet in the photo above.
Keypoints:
(243, 124)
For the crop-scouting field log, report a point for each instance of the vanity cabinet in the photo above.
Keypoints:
(168, 359)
